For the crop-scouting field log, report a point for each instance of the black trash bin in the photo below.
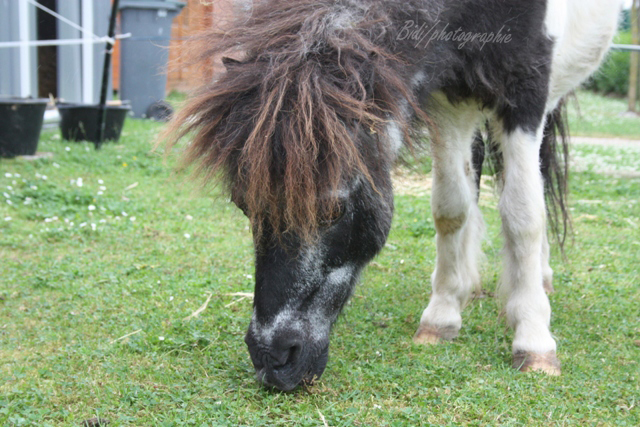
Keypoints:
(79, 122)
(20, 125)
(144, 55)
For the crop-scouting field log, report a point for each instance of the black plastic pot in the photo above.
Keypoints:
(20, 125)
(79, 122)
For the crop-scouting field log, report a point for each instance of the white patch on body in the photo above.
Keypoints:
(418, 78)
(582, 30)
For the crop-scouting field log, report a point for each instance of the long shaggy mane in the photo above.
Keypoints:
(282, 126)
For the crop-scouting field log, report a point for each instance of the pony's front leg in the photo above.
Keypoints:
(458, 222)
(522, 209)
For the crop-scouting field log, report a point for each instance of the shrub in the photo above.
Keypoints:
(613, 75)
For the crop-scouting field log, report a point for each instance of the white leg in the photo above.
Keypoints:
(523, 221)
(458, 223)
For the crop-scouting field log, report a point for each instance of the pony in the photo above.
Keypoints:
(315, 103)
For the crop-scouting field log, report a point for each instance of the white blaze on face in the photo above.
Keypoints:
(340, 275)
(289, 318)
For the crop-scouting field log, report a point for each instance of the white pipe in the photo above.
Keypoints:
(87, 52)
(62, 42)
(628, 47)
(25, 57)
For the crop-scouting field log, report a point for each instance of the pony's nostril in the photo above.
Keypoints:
(294, 352)
(285, 356)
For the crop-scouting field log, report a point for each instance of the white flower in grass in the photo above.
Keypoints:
(55, 165)
(187, 235)
(189, 217)
(171, 298)
(161, 338)
(6, 195)
(93, 226)
(124, 213)
(103, 188)
(84, 224)
(9, 202)
(17, 175)
(133, 218)
(44, 177)
(102, 221)
(8, 175)
(100, 181)
(92, 208)
(7, 218)
(34, 187)
(67, 149)
(10, 188)
(79, 182)
(99, 193)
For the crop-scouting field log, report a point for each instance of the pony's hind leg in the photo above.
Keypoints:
(458, 222)
(522, 209)
(547, 272)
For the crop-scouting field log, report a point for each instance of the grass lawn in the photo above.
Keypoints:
(598, 116)
(104, 254)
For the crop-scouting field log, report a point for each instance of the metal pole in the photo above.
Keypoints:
(102, 113)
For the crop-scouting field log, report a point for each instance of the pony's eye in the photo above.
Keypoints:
(333, 217)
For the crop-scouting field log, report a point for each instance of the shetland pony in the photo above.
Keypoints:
(304, 125)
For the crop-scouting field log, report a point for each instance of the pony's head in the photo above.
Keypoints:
(302, 285)
(302, 130)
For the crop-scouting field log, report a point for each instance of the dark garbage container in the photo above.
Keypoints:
(20, 125)
(144, 56)
(79, 122)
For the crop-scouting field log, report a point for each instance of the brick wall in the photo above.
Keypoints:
(195, 17)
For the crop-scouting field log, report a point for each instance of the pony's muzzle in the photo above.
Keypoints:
(287, 361)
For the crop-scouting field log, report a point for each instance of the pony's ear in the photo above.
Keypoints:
(229, 62)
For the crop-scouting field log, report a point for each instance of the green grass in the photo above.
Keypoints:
(69, 292)
(599, 116)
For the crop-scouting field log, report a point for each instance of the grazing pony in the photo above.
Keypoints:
(304, 125)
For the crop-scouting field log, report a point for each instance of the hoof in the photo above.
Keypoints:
(528, 362)
(547, 284)
(427, 335)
